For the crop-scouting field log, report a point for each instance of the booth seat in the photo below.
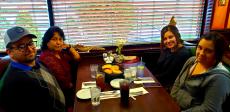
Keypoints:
(4, 62)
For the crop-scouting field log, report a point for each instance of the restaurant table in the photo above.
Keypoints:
(157, 100)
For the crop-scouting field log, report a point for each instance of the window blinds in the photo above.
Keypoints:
(208, 17)
(31, 14)
(102, 22)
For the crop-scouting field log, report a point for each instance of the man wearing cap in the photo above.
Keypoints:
(26, 85)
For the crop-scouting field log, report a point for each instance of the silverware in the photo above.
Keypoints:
(133, 97)
(145, 79)
(89, 83)
(107, 96)
(136, 93)
(110, 93)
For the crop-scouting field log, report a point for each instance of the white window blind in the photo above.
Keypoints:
(101, 22)
(31, 14)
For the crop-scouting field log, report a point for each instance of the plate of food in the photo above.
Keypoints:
(112, 72)
(83, 94)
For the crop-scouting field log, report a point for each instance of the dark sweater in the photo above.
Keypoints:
(169, 65)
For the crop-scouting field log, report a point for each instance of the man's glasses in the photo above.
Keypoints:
(23, 47)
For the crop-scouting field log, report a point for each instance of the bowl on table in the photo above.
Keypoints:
(131, 61)
(111, 72)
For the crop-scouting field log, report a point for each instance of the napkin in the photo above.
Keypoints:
(138, 91)
(116, 93)
(142, 80)
(88, 84)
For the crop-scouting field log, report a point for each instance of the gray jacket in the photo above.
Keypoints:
(202, 93)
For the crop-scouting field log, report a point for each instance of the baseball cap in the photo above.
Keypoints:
(15, 33)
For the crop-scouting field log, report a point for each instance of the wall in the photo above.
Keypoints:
(221, 19)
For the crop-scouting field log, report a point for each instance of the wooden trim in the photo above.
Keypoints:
(227, 16)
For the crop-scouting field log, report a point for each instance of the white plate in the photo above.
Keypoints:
(115, 83)
(83, 94)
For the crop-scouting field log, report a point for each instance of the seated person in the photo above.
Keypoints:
(26, 85)
(60, 59)
(173, 56)
(226, 60)
(203, 84)
(4, 62)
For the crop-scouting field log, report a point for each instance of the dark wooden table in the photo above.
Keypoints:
(157, 100)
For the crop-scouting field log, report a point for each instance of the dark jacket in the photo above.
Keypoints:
(26, 89)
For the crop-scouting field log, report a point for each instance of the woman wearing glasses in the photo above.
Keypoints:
(60, 59)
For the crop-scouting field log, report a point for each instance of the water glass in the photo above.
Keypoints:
(140, 69)
(133, 71)
(93, 70)
(124, 92)
(95, 95)
(127, 73)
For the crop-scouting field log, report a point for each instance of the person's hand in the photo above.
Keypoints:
(66, 46)
(74, 52)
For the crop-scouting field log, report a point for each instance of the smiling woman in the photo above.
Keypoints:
(173, 55)
(61, 60)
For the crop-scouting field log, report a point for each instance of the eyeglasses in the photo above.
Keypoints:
(23, 47)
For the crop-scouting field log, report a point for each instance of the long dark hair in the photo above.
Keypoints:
(49, 34)
(220, 44)
(175, 32)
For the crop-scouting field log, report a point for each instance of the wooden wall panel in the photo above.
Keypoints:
(219, 16)
(228, 26)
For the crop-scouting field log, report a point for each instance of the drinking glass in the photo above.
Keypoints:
(93, 70)
(127, 73)
(95, 95)
(140, 69)
(133, 71)
(100, 80)
(124, 92)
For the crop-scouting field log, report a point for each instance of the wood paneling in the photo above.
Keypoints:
(220, 16)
